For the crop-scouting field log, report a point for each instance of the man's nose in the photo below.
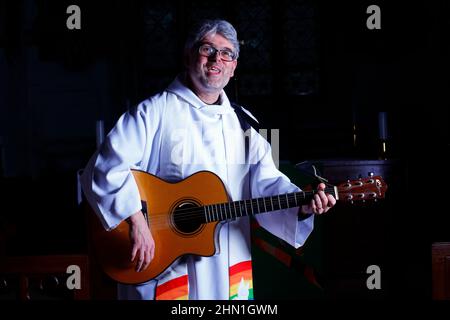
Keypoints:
(215, 56)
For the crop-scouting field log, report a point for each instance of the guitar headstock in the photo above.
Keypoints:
(363, 189)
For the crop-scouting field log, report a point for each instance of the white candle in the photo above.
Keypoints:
(99, 132)
(382, 125)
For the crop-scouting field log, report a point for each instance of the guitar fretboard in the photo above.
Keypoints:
(236, 209)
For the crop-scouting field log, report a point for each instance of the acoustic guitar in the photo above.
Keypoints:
(183, 217)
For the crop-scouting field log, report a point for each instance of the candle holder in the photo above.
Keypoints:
(383, 148)
(383, 136)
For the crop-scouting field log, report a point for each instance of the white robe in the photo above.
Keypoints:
(173, 135)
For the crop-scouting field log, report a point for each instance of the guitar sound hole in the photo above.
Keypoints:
(186, 219)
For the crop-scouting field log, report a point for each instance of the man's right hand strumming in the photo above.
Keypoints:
(143, 245)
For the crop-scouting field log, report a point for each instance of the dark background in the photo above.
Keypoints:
(311, 69)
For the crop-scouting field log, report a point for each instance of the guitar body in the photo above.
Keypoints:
(165, 203)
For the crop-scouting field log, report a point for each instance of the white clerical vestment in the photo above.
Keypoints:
(174, 135)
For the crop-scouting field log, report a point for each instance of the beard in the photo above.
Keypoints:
(211, 83)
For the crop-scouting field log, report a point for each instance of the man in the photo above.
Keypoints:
(189, 127)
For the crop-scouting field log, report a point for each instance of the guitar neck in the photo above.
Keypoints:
(236, 209)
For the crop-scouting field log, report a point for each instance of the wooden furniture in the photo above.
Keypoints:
(441, 270)
(43, 277)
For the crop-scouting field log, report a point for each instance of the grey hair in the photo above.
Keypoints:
(212, 27)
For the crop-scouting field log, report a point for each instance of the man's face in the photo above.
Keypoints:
(209, 75)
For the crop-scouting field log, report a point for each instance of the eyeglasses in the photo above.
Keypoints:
(207, 50)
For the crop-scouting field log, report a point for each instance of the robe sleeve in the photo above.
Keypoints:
(267, 180)
(107, 181)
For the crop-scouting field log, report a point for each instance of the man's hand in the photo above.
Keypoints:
(142, 241)
(321, 202)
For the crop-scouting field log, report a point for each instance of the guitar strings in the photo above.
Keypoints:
(199, 212)
(226, 205)
(255, 200)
